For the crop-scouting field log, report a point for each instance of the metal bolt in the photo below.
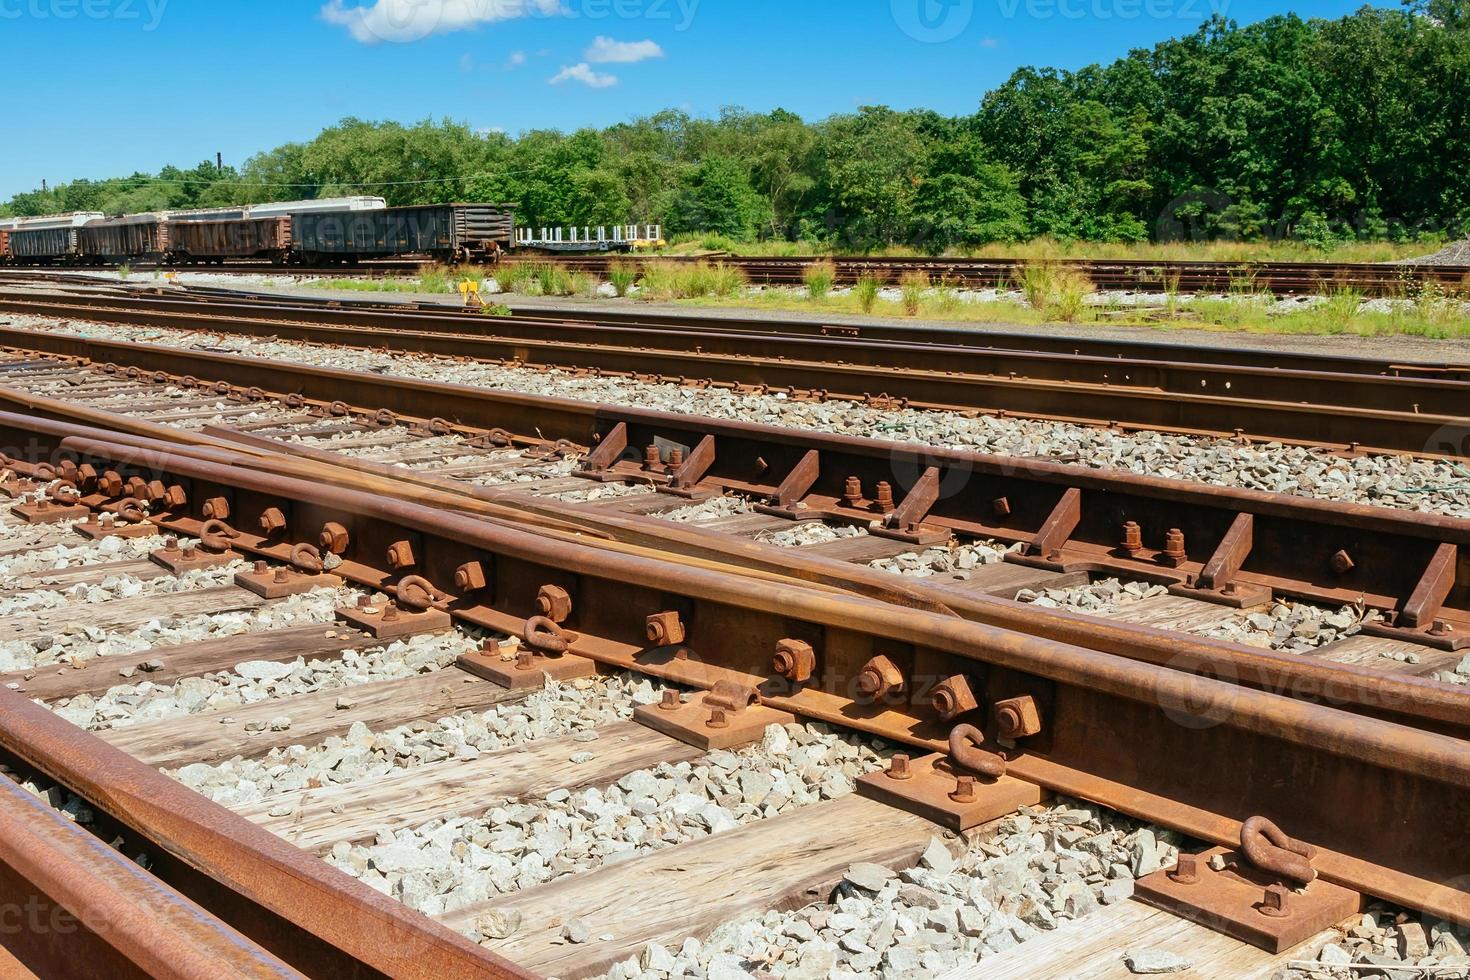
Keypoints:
(1132, 538)
(216, 509)
(260, 568)
(363, 602)
(670, 701)
(664, 629)
(400, 554)
(883, 501)
(1186, 872)
(272, 520)
(333, 538)
(898, 767)
(1342, 562)
(171, 544)
(1441, 628)
(524, 660)
(794, 660)
(1274, 903)
(964, 790)
(554, 602)
(282, 576)
(1231, 588)
(676, 457)
(1174, 545)
(651, 458)
(1002, 506)
(390, 612)
(718, 718)
(852, 491)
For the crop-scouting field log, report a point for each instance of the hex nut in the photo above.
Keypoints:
(400, 555)
(665, 629)
(216, 509)
(333, 538)
(953, 696)
(175, 497)
(272, 520)
(554, 602)
(879, 678)
(795, 660)
(1017, 717)
(470, 577)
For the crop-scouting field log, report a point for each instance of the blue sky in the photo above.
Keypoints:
(112, 86)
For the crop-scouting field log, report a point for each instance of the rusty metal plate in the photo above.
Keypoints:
(180, 561)
(380, 624)
(1231, 901)
(49, 513)
(690, 723)
(511, 674)
(926, 793)
(271, 585)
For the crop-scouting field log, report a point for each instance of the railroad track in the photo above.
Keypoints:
(1277, 278)
(527, 507)
(709, 630)
(1348, 404)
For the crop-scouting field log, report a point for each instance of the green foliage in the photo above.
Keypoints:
(865, 292)
(913, 285)
(1318, 134)
(819, 277)
(622, 276)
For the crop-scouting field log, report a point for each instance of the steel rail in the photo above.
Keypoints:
(76, 907)
(1232, 543)
(1407, 699)
(1050, 342)
(1378, 413)
(310, 915)
(1385, 803)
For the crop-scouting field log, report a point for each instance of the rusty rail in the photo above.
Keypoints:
(76, 907)
(311, 916)
(1214, 543)
(1320, 407)
(1384, 803)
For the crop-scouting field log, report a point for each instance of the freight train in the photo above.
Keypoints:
(342, 231)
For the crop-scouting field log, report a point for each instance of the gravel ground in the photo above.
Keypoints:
(1387, 938)
(446, 865)
(956, 560)
(1292, 627)
(251, 682)
(73, 644)
(1388, 481)
(1024, 876)
(580, 706)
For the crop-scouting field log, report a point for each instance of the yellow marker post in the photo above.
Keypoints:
(469, 291)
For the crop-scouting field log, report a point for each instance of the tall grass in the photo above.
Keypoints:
(913, 285)
(865, 292)
(124, 270)
(1057, 292)
(622, 276)
(686, 280)
(435, 278)
(819, 277)
(1340, 309)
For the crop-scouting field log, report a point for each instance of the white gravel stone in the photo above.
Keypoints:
(1151, 961)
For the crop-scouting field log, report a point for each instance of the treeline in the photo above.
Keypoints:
(1321, 130)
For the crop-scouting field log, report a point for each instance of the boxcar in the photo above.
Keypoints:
(215, 241)
(129, 238)
(4, 245)
(43, 246)
(450, 232)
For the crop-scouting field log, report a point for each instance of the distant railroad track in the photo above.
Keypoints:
(1349, 406)
(1277, 278)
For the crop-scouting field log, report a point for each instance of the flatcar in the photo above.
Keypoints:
(196, 241)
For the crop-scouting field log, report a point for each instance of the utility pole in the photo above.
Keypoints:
(219, 161)
(43, 185)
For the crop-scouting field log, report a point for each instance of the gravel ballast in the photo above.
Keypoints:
(1388, 481)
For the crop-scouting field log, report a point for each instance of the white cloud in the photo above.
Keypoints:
(605, 50)
(583, 73)
(516, 59)
(412, 20)
(990, 42)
